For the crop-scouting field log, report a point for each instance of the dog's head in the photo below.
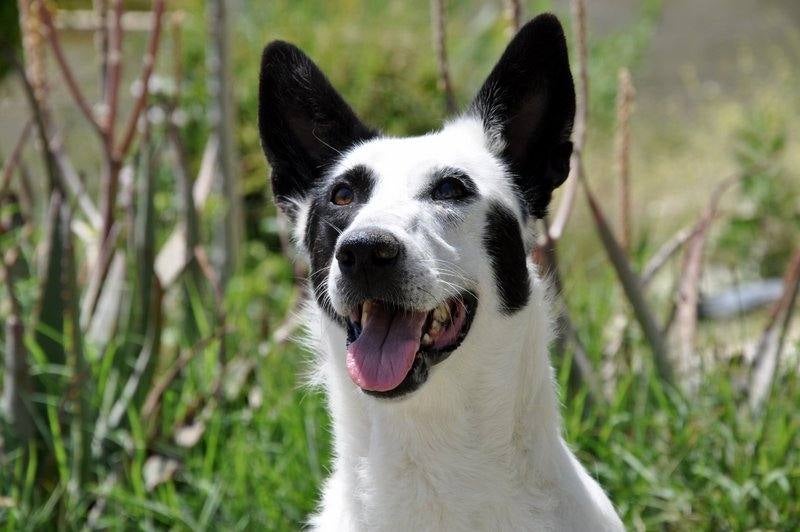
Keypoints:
(405, 236)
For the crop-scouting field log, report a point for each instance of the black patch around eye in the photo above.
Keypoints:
(326, 221)
(467, 193)
(361, 180)
(502, 239)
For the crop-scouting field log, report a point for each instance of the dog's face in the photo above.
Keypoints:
(409, 238)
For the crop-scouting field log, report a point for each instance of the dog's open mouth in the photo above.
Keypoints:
(390, 349)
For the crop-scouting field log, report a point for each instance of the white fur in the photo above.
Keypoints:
(478, 446)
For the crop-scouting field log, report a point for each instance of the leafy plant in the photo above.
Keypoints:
(764, 225)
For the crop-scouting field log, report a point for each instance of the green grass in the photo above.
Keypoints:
(704, 463)
(667, 462)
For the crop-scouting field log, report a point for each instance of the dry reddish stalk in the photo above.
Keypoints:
(790, 278)
(581, 58)
(687, 363)
(148, 63)
(438, 19)
(625, 96)
(632, 287)
(115, 155)
(40, 118)
(545, 251)
(13, 159)
(114, 70)
(230, 227)
(32, 38)
(765, 366)
(665, 252)
(513, 10)
(579, 131)
(101, 41)
(176, 21)
(119, 151)
(66, 71)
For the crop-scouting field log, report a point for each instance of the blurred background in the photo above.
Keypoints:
(149, 376)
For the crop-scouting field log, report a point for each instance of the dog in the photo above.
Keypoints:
(428, 317)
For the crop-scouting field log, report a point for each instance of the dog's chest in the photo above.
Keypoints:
(421, 481)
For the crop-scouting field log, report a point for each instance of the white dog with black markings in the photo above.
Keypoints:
(430, 323)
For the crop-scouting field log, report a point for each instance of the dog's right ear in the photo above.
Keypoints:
(303, 122)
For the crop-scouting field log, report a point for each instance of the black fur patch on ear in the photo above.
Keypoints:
(528, 102)
(304, 123)
(502, 239)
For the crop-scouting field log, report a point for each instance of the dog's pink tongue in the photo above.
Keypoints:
(380, 358)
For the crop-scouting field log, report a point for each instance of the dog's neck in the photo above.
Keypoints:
(487, 417)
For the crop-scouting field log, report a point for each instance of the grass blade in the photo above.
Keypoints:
(144, 232)
(104, 324)
(50, 307)
(14, 404)
(81, 388)
(97, 277)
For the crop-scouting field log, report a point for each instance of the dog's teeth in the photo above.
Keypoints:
(435, 327)
(440, 313)
(365, 310)
(426, 339)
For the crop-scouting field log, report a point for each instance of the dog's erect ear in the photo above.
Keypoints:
(304, 123)
(527, 106)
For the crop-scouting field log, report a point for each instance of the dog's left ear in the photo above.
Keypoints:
(527, 106)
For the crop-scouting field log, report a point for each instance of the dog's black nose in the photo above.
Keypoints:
(368, 250)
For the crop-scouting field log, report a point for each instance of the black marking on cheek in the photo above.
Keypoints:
(502, 239)
(326, 222)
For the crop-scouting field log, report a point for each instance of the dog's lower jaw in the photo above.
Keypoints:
(478, 447)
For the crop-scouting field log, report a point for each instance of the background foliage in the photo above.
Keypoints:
(237, 442)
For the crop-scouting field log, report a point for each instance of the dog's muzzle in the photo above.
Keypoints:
(393, 339)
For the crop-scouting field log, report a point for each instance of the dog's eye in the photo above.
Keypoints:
(449, 189)
(342, 195)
